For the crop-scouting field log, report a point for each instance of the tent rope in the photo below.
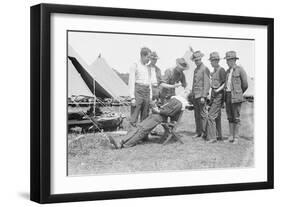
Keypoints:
(87, 116)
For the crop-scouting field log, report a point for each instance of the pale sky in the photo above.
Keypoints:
(122, 50)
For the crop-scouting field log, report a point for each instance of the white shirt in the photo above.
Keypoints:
(153, 76)
(228, 84)
(139, 73)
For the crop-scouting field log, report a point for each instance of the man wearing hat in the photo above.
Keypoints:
(217, 86)
(155, 76)
(236, 84)
(140, 87)
(173, 78)
(200, 91)
(171, 109)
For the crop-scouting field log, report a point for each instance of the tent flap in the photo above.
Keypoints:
(94, 78)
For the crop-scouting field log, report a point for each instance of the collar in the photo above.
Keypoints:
(234, 67)
(142, 63)
(199, 66)
(216, 69)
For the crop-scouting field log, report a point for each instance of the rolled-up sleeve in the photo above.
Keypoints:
(167, 76)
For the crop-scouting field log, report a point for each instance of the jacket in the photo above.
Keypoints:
(201, 82)
(239, 83)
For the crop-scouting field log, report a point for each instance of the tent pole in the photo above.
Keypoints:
(94, 86)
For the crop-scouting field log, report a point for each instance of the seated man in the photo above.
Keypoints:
(171, 109)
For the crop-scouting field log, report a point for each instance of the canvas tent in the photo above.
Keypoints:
(189, 73)
(76, 85)
(107, 78)
(98, 78)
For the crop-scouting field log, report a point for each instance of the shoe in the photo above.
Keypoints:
(211, 141)
(121, 144)
(219, 139)
(228, 139)
(234, 141)
(145, 139)
(196, 136)
(204, 136)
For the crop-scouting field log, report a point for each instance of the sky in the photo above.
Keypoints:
(122, 50)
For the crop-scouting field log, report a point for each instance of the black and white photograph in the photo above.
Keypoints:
(129, 103)
(145, 103)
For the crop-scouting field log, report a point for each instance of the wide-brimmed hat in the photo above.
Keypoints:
(181, 62)
(196, 55)
(154, 56)
(214, 56)
(230, 55)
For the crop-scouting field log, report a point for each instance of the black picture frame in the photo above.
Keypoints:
(41, 102)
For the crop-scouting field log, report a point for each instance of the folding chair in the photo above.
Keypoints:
(170, 130)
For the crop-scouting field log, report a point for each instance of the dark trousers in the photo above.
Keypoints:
(142, 130)
(142, 96)
(155, 93)
(200, 114)
(232, 109)
(214, 116)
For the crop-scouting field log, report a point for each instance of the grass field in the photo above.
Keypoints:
(93, 154)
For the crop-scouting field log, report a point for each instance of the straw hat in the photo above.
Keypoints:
(197, 55)
(182, 63)
(230, 55)
(214, 56)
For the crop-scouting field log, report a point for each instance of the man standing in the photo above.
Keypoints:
(173, 78)
(200, 91)
(155, 76)
(140, 87)
(236, 84)
(217, 84)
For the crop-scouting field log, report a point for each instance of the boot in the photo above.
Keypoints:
(235, 132)
(230, 138)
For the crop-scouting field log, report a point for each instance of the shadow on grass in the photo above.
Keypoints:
(247, 138)
(152, 140)
(24, 195)
(186, 133)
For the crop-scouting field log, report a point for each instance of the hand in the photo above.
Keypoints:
(202, 100)
(152, 103)
(177, 85)
(217, 90)
(133, 102)
(155, 110)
